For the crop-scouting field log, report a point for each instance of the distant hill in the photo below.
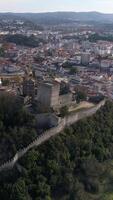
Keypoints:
(59, 17)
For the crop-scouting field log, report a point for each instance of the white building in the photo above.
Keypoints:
(105, 63)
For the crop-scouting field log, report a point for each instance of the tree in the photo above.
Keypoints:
(5, 82)
(63, 111)
(80, 96)
(19, 190)
(73, 70)
(2, 52)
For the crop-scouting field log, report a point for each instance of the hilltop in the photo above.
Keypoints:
(59, 17)
(77, 164)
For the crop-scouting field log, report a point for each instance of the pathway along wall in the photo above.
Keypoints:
(67, 121)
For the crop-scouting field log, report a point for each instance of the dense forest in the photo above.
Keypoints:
(23, 40)
(17, 126)
(95, 37)
(76, 165)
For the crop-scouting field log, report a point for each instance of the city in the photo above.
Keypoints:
(56, 100)
(81, 57)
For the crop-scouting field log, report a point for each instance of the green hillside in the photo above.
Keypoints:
(76, 165)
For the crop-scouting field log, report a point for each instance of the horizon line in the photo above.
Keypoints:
(57, 11)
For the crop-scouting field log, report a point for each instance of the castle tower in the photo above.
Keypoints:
(48, 95)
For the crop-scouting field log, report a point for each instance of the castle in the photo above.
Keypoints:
(53, 95)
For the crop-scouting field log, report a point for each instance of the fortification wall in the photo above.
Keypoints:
(72, 118)
(67, 121)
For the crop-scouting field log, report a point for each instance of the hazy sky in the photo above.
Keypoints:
(56, 5)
